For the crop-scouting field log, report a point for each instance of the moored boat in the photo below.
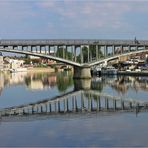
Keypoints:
(109, 70)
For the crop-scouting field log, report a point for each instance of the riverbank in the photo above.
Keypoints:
(133, 73)
(37, 69)
(40, 69)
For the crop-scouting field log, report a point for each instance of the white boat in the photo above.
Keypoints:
(18, 70)
(96, 70)
(109, 70)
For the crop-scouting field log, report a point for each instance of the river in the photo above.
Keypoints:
(105, 128)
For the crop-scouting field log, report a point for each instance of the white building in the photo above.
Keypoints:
(14, 63)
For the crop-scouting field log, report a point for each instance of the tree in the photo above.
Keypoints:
(59, 53)
(91, 52)
(85, 54)
(64, 54)
(64, 81)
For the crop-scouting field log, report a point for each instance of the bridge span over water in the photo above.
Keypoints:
(81, 54)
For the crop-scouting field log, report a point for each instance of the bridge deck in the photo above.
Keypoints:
(72, 42)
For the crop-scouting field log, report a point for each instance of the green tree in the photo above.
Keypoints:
(92, 49)
(59, 52)
(62, 53)
(85, 54)
(92, 53)
(64, 81)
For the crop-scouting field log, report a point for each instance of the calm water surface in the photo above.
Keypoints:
(71, 129)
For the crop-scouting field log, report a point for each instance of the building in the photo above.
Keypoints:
(12, 63)
(16, 63)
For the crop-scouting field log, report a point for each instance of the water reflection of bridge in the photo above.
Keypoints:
(76, 102)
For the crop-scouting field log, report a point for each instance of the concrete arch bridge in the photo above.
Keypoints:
(81, 54)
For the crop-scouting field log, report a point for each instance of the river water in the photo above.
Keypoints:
(94, 128)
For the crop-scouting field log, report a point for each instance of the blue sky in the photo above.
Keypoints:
(75, 19)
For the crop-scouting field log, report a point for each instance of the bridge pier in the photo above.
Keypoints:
(82, 84)
(82, 72)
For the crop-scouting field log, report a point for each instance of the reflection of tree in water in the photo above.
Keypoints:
(120, 85)
(4, 81)
(27, 81)
(1, 91)
(64, 81)
(123, 83)
(47, 79)
(140, 83)
(97, 85)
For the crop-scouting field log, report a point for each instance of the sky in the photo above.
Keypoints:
(73, 19)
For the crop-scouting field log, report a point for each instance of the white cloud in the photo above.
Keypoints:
(70, 16)
(89, 13)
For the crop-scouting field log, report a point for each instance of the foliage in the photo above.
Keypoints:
(59, 53)
(92, 53)
(64, 81)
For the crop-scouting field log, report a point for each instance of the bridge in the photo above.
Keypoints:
(81, 101)
(81, 54)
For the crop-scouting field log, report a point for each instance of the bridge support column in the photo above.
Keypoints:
(88, 54)
(121, 47)
(49, 50)
(75, 54)
(81, 53)
(82, 72)
(54, 50)
(97, 53)
(105, 51)
(82, 84)
(113, 50)
(129, 48)
(72, 53)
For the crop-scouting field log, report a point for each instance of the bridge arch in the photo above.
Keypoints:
(41, 55)
(81, 71)
(116, 57)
